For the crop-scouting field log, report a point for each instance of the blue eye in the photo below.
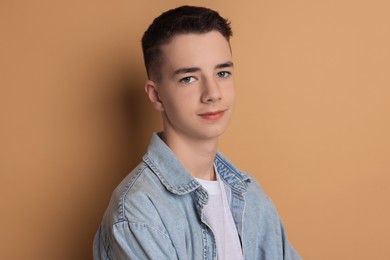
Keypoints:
(187, 80)
(223, 74)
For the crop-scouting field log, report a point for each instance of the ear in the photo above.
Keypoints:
(152, 93)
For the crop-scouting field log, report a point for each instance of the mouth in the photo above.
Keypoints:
(212, 115)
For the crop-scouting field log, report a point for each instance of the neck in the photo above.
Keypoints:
(196, 155)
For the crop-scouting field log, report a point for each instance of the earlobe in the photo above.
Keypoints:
(152, 93)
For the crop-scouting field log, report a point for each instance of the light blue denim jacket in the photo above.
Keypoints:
(157, 213)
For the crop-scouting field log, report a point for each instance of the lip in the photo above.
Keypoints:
(212, 115)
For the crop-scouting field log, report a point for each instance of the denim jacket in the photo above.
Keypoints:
(157, 213)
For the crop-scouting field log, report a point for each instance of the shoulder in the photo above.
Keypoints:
(135, 196)
(256, 197)
(254, 187)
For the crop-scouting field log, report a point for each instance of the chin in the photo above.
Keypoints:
(213, 133)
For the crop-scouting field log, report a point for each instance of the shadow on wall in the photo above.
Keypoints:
(124, 121)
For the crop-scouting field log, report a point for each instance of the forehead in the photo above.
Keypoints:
(200, 50)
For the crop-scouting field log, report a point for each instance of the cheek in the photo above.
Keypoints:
(231, 94)
(185, 98)
(177, 105)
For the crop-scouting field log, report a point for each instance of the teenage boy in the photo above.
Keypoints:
(185, 200)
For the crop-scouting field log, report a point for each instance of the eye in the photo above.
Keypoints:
(223, 74)
(187, 80)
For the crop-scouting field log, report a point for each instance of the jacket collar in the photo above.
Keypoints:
(172, 174)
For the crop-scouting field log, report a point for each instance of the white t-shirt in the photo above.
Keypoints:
(219, 217)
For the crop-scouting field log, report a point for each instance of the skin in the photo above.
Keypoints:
(195, 96)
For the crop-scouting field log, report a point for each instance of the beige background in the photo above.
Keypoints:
(311, 122)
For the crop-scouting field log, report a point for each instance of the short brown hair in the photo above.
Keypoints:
(181, 20)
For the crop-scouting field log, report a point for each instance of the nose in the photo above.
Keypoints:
(211, 91)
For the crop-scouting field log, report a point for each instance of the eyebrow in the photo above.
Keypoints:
(228, 64)
(186, 70)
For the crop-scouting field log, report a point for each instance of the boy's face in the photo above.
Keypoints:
(195, 92)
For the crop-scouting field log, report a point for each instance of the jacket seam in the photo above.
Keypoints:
(144, 225)
(126, 190)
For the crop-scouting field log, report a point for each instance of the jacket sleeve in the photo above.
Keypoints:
(135, 240)
(266, 227)
(289, 252)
